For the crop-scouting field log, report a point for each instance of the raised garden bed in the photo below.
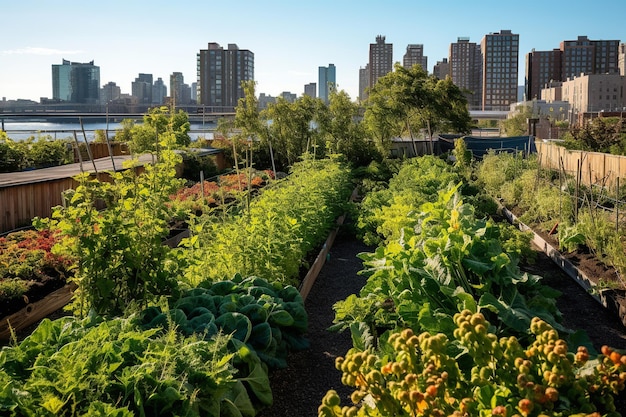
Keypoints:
(592, 275)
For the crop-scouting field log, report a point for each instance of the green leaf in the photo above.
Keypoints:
(281, 318)
(261, 336)
(236, 324)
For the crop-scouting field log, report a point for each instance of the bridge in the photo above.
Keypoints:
(489, 114)
(199, 116)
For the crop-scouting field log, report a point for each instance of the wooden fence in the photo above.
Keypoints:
(595, 168)
(100, 150)
(20, 204)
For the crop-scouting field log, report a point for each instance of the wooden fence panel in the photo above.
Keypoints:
(596, 168)
(21, 203)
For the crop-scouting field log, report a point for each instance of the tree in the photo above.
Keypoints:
(158, 120)
(602, 134)
(291, 130)
(407, 100)
(344, 134)
(517, 125)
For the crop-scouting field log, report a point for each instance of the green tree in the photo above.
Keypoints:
(517, 125)
(291, 130)
(145, 137)
(408, 99)
(344, 133)
(602, 134)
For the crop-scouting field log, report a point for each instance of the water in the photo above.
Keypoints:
(22, 130)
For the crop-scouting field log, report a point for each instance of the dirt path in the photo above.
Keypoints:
(298, 389)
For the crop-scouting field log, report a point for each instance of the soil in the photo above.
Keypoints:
(38, 290)
(298, 389)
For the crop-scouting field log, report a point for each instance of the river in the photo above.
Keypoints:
(22, 130)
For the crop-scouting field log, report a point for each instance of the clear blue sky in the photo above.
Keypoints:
(290, 38)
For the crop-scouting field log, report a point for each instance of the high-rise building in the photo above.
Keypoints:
(289, 96)
(415, 55)
(364, 81)
(141, 88)
(381, 60)
(572, 59)
(159, 91)
(194, 92)
(310, 90)
(621, 58)
(76, 82)
(177, 82)
(588, 57)
(466, 69)
(542, 67)
(327, 81)
(220, 74)
(500, 55)
(441, 69)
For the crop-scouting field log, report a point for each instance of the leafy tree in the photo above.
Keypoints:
(407, 100)
(602, 134)
(517, 125)
(145, 137)
(290, 130)
(344, 134)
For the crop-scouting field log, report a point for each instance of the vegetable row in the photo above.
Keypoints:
(448, 324)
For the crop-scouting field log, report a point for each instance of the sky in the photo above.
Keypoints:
(290, 39)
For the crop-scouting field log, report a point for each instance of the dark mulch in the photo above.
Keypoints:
(299, 389)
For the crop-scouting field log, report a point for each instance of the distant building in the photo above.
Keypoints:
(76, 82)
(381, 60)
(141, 88)
(415, 55)
(180, 93)
(289, 96)
(310, 90)
(220, 74)
(621, 58)
(542, 67)
(500, 54)
(110, 92)
(571, 59)
(327, 81)
(194, 92)
(441, 69)
(595, 93)
(159, 92)
(466, 70)
(364, 81)
(265, 101)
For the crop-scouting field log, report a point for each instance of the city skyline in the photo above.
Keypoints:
(290, 40)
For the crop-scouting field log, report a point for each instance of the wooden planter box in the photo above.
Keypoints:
(36, 311)
(614, 300)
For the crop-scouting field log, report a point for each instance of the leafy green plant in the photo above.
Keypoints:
(269, 318)
(272, 236)
(121, 259)
(448, 261)
(72, 367)
(570, 237)
(386, 212)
